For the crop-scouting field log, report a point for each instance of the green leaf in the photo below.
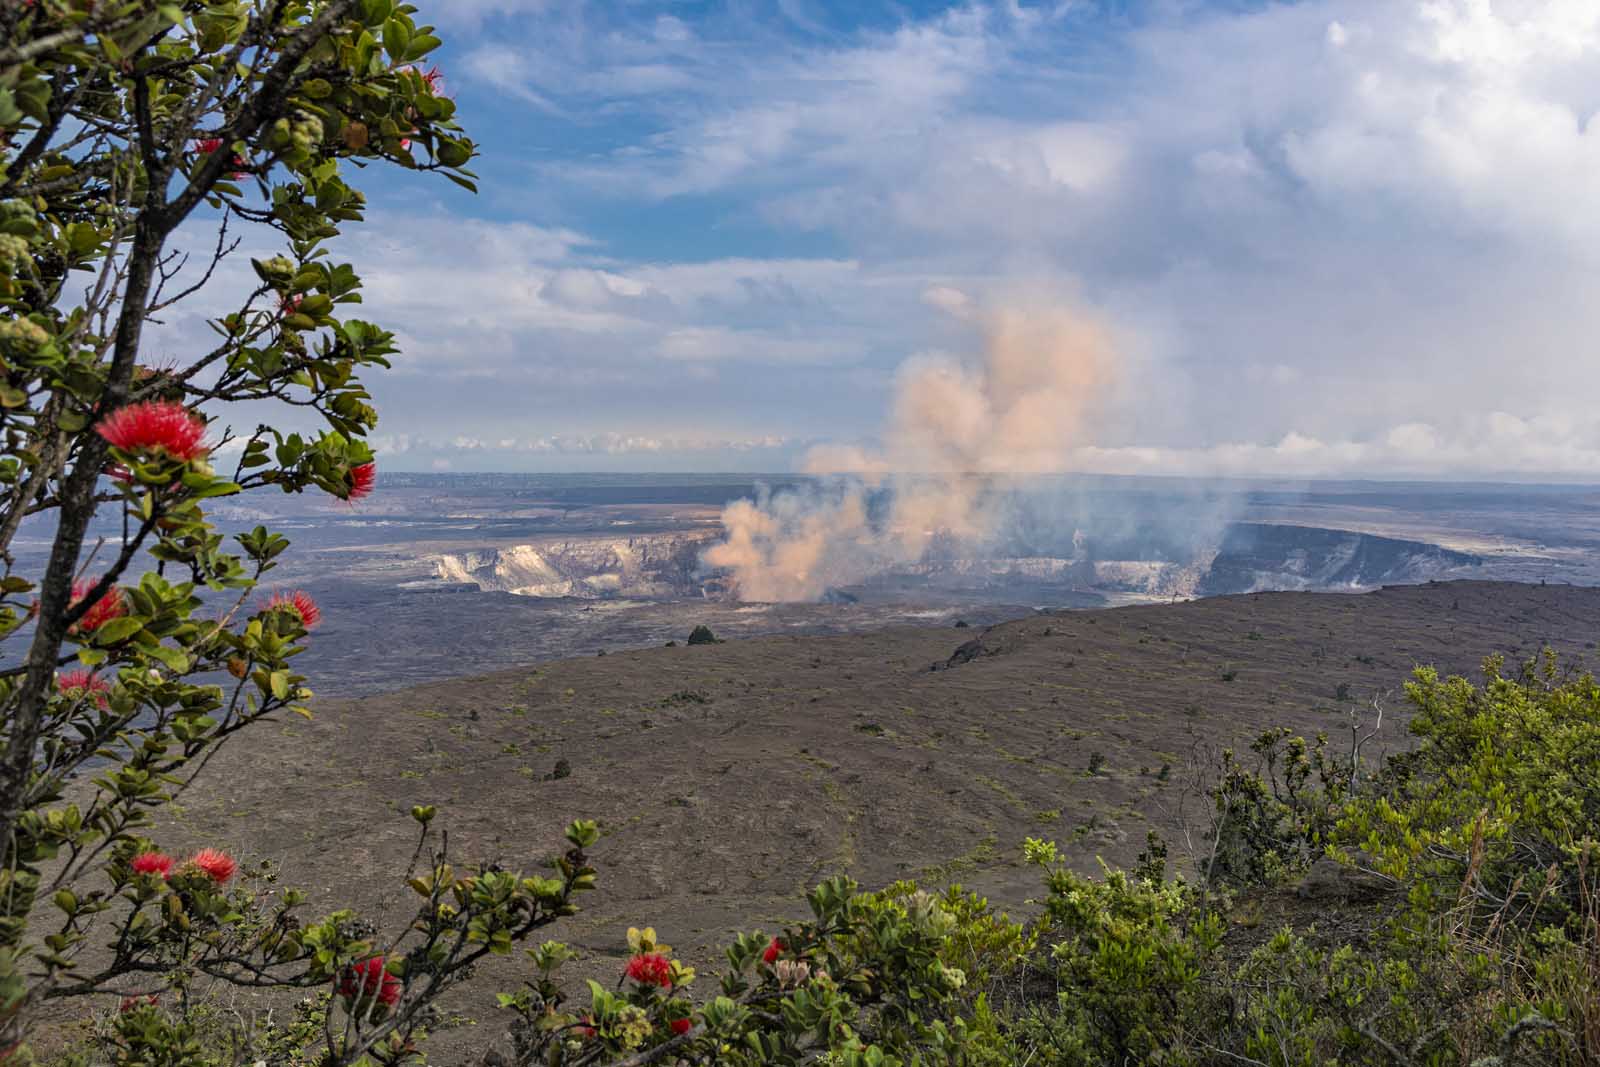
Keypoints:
(117, 630)
(176, 661)
(215, 489)
(10, 114)
(396, 39)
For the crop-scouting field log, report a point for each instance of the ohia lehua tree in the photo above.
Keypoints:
(140, 640)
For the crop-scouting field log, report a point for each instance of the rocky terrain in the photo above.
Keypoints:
(1256, 556)
(729, 777)
(656, 565)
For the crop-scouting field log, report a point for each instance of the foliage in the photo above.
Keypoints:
(128, 127)
(867, 982)
(1272, 819)
(702, 635)
(1498, 804)
(1127, 955)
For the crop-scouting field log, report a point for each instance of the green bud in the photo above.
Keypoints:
(11, 210)
(277, 270)
(14, 251)
(22, 337)
(306, 131)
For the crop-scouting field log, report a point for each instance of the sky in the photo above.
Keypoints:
(1352, 238)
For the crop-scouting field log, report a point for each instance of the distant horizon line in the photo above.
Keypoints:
(1545, 481)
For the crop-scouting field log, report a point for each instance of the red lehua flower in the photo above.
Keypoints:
(433, 77)
(300, 603)
(108, 607)
(650, 968)
(152, 863)
(770, 956)
(155, 426)
(362, 478)
(368, 977)
(129, 1003)
(207, 145)
(218, 865)
(81, 684)
(682, 1026)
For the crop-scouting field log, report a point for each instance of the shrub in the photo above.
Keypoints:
(702, 635)
(1128, 956)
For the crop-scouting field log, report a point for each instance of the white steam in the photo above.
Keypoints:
(956, 427)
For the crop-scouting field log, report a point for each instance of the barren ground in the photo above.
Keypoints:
(729, 778)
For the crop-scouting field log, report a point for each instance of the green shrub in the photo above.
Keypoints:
(1128, 956)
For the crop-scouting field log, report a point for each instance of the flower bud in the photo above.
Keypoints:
(22, 337)
(14, 252)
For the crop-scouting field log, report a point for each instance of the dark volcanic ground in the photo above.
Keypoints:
(729, 778)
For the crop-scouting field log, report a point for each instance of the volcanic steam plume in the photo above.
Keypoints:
(958, 427)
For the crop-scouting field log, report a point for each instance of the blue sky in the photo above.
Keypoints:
(1333, 237)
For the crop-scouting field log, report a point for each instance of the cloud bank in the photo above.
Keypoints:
(1332, 237)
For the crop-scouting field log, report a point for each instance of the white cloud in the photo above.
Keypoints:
(1332, 236)
(1498, 445)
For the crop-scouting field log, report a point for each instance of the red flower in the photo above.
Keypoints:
(433, 77)
(156, 426)
(208, 145)
(682, 1026)
(108, 607)
(300, 603)
(81, 685)
(218, 865)
(650, 968)
(152, 863)
(770, 956)
(129, 1003)
(586, 1031)
(362, 479)
(362, 980)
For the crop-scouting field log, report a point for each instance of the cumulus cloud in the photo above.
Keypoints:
(1324, 237)
(1314, 224)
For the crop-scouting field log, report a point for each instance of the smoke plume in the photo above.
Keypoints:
(957, 431)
